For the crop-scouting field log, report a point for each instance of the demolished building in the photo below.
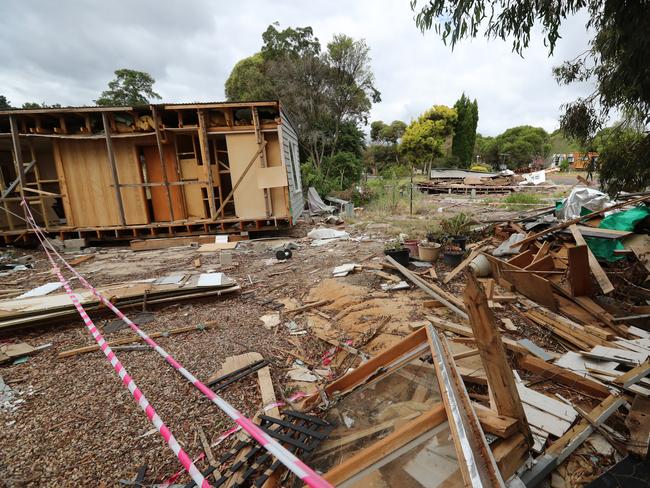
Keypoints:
(158, 170)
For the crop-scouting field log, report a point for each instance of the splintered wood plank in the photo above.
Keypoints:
(600, 275)
(532, 286)
(634, 375)
(495, 363)
(563, 376)
(543, 264)
(233, 363)
(450, 276)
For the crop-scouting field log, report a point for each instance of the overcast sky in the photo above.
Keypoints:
(66, 51)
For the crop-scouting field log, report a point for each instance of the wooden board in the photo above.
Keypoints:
(127, 163)
(600, 275)
(85, 165)
(279, 195)
(249, 199)
(159, 200)
(191, 171)
(271, 177)
(532, 286)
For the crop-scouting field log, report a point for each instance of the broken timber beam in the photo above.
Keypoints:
(425, 287)
(498, 371)
(477, 465)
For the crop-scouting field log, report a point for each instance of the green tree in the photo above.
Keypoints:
(462, 145)
(297, 43)
(424, 139)
(616, 62)
(324, 92)
(561, 144)
(623, 160)
(248, 80)
(520, 146)
(129, 87)
(4, 103)
(486, 150)
(34, 105)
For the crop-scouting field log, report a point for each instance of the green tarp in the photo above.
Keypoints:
(604, 248)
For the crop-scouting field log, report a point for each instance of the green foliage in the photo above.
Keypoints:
(129, 87)
(616, 62)
(424, 138)
(624, 161)
(518, 146)
(382, 133)
(383, 153)
(34, 105)
(328, 94)
(462, 145)
(458, 225)
(564, 165)
(248, 80)
(561, 144)
(297, 43)
(520, 197)
(480, 168)
(337, 173)
(4, 103)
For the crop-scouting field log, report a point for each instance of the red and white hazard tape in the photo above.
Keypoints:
(130, 384)
(300, 469)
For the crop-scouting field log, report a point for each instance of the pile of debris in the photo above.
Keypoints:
(464, 181)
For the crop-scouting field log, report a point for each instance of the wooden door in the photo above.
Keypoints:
(159, 201)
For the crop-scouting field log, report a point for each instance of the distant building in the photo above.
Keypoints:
(577, 160)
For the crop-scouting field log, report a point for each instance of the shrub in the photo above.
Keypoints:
(564, 165)
(480, 168)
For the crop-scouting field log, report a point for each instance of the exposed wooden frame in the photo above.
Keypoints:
(163, 166)
(111, 160)
(18, 155)
(380, 449)
(477, 465)
(207, 158)
(241, 178)
(259, 137)
(488, 341)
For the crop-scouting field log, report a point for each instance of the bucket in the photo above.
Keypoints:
(412, 246)
(453, 258)
(480, 266)
(399, 255)
(429, 252)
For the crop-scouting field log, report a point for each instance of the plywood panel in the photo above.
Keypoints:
(159, 200)
(272, 177)
(88, 180)
(128, 171)
(249, 199)
(190, 170)
(279, 198)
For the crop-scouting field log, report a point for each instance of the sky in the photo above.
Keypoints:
(66, 51)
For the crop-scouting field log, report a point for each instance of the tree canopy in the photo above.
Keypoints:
(327, 92)
(4, 103)
(616, 61)
(462, 145)
(425, 137)
(517, 146)
(129, 87)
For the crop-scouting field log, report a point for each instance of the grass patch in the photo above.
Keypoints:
(519, 201)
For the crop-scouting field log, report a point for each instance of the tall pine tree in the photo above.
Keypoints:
(462, 145)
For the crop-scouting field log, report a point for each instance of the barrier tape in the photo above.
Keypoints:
(291, 462)
(128, 382)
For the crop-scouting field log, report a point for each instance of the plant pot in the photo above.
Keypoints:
(480, 266)
(459, 241)
(399, 255)
(429, 252)
(412, 246)
(453, 258)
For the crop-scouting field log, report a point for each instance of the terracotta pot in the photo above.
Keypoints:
(412, 246)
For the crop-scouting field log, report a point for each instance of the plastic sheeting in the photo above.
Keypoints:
(627, 220)
(582, 197)
(316, 204)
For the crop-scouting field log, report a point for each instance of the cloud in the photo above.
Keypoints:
(66, 51)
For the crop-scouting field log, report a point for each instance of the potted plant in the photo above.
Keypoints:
(398, 252)
(452, 254)
(457, 227)
(429, 251)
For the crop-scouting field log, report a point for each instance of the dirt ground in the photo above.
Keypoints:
(78, 426)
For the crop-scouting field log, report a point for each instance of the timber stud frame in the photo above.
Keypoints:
(120, 173)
